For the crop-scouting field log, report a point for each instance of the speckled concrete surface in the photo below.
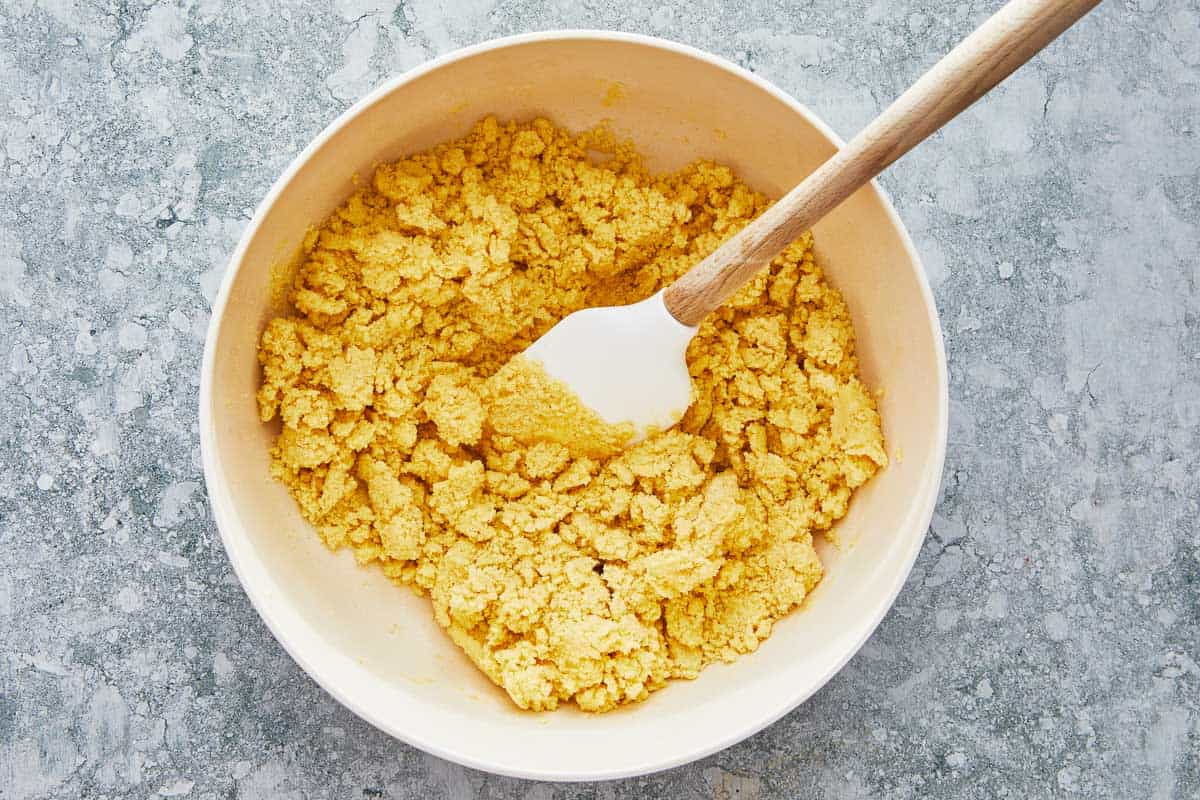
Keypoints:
(1047, 642)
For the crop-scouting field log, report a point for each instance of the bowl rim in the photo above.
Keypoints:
(225, 518)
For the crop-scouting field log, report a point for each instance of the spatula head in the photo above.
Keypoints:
(626, 363)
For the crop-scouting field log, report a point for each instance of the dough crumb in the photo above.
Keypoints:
(531, 407)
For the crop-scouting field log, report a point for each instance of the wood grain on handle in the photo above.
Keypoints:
(989, 55)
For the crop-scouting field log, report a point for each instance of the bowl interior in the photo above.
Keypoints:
(375, 645)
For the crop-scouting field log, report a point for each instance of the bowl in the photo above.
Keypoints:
(375, 646)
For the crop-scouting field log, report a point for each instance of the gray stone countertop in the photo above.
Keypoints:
(1046, 644)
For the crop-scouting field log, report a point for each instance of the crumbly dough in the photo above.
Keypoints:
(567, 568)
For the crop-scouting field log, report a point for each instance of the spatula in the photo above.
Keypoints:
(627, 363)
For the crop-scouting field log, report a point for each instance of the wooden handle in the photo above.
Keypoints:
(989, 55)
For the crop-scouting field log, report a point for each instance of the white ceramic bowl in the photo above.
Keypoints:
(374, 646)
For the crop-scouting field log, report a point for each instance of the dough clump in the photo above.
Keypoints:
(568, 568)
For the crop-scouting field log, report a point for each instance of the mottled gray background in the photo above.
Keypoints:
(1046, 644)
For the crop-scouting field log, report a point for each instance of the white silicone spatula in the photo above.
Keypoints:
(627, 362)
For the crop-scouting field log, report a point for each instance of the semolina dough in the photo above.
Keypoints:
(569, 568)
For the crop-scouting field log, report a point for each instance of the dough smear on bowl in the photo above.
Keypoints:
(567, 567)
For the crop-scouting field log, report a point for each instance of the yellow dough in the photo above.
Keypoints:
(567, 567)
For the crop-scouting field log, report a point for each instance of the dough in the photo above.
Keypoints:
(568, 568)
